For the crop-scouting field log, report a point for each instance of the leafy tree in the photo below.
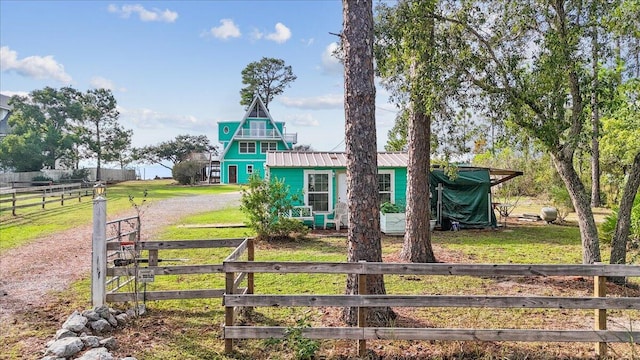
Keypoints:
(363, 242)
(186, 172)
(174, 151)
(264, 201)
(302, 148)
(43, 129)
(101, 134)
(397, 137)
(407, 60)
(22, 152)
(119, 147)
(267, 78)
(540, 86)
(621, 145)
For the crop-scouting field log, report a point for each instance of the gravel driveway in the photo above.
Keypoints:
(53, 262)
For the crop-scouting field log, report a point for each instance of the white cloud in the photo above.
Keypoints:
(303, 120)
(307, 42)
(38, 67)
(256, 34)
(99, 82)
(281, 35)
(149, 119)
(145, 15)
(330, 64)
(332, 101)
(227, 29)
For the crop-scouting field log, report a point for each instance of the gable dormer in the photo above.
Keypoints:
(256, 125)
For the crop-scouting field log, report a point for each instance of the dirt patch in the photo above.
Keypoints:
(51, 263)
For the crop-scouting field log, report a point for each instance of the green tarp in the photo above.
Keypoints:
(465, 199)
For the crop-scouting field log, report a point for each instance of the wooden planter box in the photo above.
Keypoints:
(392, 223)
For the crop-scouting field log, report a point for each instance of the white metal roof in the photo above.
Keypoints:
(328, 159)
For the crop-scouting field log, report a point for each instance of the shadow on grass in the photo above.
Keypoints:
(9, 220)
(308, 243)
(515, 235)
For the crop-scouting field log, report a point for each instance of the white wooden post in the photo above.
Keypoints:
(99, 252)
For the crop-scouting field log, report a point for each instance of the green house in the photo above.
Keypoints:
(245, 143)
(320, 178)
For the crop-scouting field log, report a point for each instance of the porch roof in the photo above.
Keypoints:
(328, 159)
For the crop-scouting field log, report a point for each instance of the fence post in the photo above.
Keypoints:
(228, 311)
(600, 290)
(362, 313)
(250, 257)
(62, 198)
(13, 204)
(99, 252)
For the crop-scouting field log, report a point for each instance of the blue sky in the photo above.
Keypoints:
(174, 66)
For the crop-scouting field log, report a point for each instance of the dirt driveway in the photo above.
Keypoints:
(51, 263)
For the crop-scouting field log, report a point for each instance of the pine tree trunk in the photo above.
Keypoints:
(362, 168)
(619, 241)
(581, 203)
(417, 238)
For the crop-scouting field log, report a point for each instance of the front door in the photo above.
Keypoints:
(342, 187)
(233, 174)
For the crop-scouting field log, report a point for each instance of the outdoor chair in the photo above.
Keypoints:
(340, 216)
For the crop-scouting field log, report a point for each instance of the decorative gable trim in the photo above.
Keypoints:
(256, 102)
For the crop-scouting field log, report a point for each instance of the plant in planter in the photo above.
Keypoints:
(392, 219)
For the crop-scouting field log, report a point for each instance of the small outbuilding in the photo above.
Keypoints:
(320, 180)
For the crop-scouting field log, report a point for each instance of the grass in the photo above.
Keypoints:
(190, 329)
(33, 222)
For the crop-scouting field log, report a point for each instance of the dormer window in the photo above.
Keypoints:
(258, 128)
(258, 111)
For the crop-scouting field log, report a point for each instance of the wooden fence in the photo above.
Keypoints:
(599, 302)
(129, 267)
(42, 195)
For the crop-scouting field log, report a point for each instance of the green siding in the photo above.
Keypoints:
(400, 186)
(294, 178)
(232, 125)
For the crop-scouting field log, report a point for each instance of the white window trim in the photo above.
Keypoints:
(268, 142)
(246, 142)
(249, 166)
(393, 183)
(330, 190)
(258, 128)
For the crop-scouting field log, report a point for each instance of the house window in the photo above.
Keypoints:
(268, 146)
(249, 169)
(318, 190)
(225, 129)
(258, 128)
(247, 147)
(385, 186)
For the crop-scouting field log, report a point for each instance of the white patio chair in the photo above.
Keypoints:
(340, 216)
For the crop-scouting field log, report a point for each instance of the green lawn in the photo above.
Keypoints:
(33, 222)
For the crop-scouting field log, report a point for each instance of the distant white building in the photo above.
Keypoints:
(5, 111)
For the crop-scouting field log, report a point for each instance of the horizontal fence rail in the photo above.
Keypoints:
(19, 198)
(598, 302)
(150, 266)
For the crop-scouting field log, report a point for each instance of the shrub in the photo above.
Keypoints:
(264, 202)
(186, 172)
(608, 227)
(392, 208)
(562, 201)
(76, 175)
(41, 178)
